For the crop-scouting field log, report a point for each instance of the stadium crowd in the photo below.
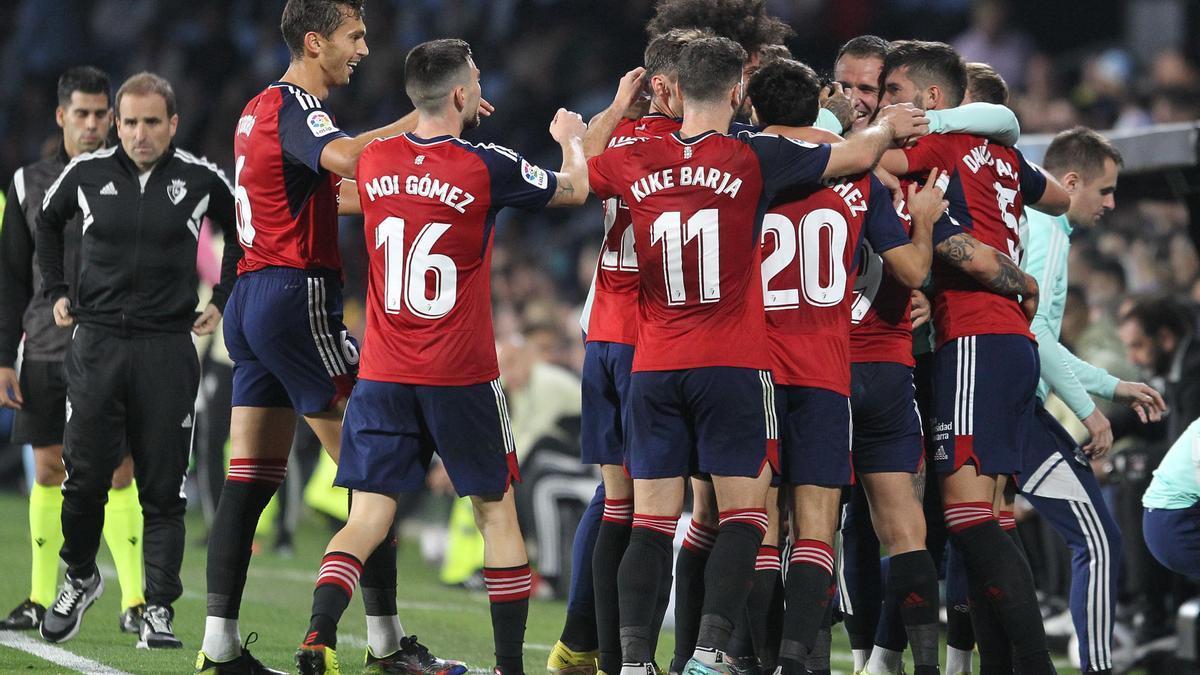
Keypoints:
(218, 53)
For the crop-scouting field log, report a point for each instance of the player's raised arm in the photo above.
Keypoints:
(1041, 190)
(602, 126)
(910, 264)
(895, 124)
(568, 129)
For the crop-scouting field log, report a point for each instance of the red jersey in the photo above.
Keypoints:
(809, 240)
(429, 211)
(696, 206)
(610, 313)
(988, 187)
(880, 325)
(286, 203)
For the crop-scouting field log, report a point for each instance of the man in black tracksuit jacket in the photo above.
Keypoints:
(131, 367)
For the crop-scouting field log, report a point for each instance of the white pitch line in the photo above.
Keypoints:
(56, 655)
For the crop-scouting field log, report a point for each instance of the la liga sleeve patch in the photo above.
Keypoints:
(320, 124)
(534, 175)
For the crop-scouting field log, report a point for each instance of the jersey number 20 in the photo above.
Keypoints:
(406, 280)
(822, 277)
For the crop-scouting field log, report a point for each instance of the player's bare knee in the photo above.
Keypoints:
(704, 502)
(123, 476)
(495, 515)
(617, 485)
(48, 468)
(261, 433)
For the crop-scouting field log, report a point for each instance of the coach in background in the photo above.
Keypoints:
(39, 396)
(131, 368)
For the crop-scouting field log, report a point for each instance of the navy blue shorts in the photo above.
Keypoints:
(984, 396)
(290, 349)
(606, 370)
(814, 436)
(1173, 537)
(887, 424)
(391, 431)
(716, 420)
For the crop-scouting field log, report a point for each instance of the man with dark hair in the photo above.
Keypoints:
(132, 309)
(429, 205)
(982, 336)
(1057, 477)
(985, 84)
(858, 67)
(809, 333)
(1159, 335)
(39, 396)
(609, 324)
(746, 22)
(700, 391)
(291, 352)
(937, 72)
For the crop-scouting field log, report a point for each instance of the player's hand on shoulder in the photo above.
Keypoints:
(207, 323)
(10, 389)
(1144, 399)
(927, 204)
(567, 125)
(907, 121)
(62, 313)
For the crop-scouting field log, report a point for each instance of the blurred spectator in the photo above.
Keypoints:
(1158, 336)
(993, 40)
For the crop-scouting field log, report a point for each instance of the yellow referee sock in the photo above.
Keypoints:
(45, 540)
(123, 534)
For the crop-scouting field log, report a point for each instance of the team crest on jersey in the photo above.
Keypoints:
(535, 176)
(320, 124)
(176, 191)
(687, 152)
(419, 160)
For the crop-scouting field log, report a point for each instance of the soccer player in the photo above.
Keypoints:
(1057, 477)
(133, 312)
(430, 381)
(982, 337)
(746, 22)
(284, 328)
(811, 238)
(85, 115)
(609, 322)
(700, 391)
(888, 429)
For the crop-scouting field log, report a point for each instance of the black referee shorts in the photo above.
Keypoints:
(41, 420)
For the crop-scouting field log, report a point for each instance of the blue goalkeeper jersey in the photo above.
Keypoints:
(1046, 243)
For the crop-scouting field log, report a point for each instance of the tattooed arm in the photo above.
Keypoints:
(991, 268)
(568, 129)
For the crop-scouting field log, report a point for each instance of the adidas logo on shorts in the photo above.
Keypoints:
(940, 455)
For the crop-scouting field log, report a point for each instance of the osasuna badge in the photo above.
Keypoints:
(176, 191)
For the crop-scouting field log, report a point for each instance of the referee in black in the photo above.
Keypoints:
(131, 366)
